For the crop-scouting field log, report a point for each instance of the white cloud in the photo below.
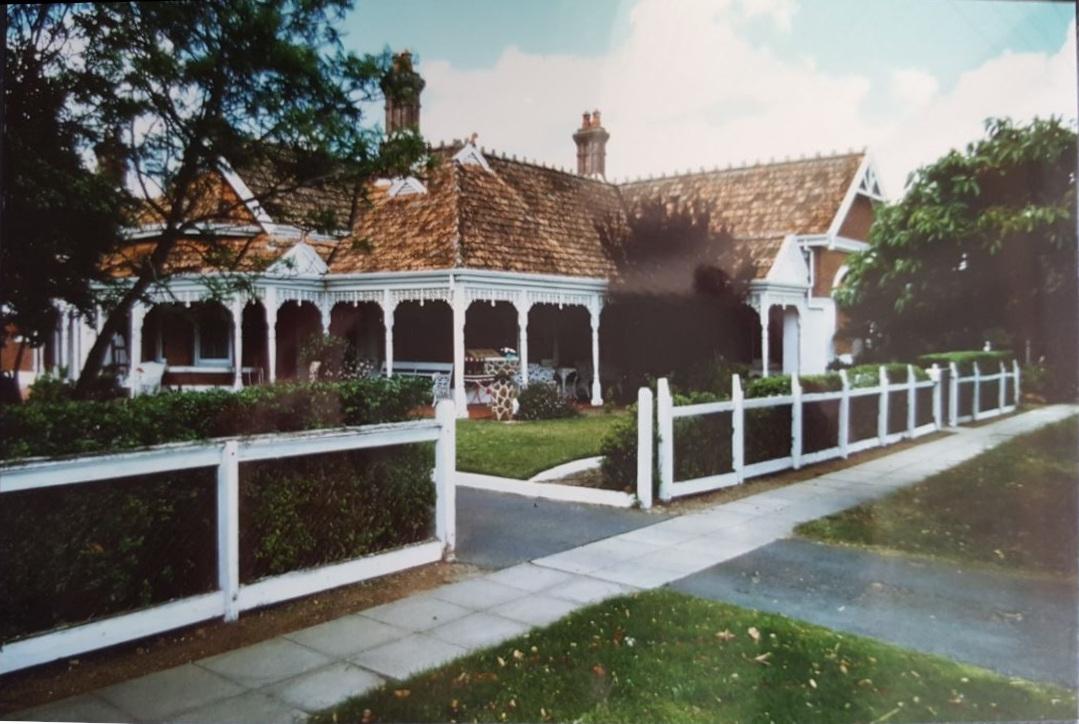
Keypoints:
(686, 89)
(913, 88)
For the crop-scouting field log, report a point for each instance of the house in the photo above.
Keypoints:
(484, 252)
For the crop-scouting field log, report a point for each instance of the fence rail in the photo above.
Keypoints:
(232, 596)
(667, 412)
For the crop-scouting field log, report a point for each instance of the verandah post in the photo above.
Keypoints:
(844, 414)
(938, 412)
(446, 478)
(1001, 385)
(645, 416)
(953, 394)
(228, 528)
(912, 401)
(665, 421)
(796, 422)
(976, 405)
(882, 408)
(738, 429)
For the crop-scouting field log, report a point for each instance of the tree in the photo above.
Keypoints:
(680, 284)
(176, 89)
(58, 217)
(981, 247)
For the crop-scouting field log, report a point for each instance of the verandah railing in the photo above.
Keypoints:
(883, 394)
(232, 596)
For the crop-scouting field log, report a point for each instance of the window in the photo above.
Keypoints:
(213, 337)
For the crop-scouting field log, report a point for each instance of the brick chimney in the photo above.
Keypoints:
(401, 87)
(591, 139)
(111, 157)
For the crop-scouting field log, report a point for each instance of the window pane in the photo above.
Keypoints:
(214, 330)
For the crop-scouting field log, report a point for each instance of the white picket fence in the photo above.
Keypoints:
(232, 596)
(667, 412)
(975, 381)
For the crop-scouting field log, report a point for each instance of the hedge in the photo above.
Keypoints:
(74, 553)
(965, 359)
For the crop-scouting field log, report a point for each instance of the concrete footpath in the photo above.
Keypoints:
(286, 678)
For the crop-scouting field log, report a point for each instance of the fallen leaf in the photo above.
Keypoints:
(724, 635)
(368, 717)
(501, 661)
(813, 683)
(763, 658)
(518, 654)
(754, 633)
(599, 671)
(402, 693)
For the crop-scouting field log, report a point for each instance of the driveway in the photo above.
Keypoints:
(498, 530)
(1016, 625)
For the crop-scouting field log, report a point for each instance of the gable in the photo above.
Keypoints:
(789, 267)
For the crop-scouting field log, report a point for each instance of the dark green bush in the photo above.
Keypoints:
(965, 359)
(774, 386)
(619, 450)
(46, 428)
(77, 552)
(544, 402)
(325, 508)
(830, 382)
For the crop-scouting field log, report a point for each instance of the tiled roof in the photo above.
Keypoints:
(523, 217)
(304, 207)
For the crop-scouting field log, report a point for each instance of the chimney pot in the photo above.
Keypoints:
(591, 139)
(401, 87)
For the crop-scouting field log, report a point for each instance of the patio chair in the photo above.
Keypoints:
(146, 378)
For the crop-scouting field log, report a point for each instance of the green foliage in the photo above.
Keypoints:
(329, 351)
(712, 375)
(619, 451)
(45, 427)
(544, 402)
(829, 382)
(316, 510)
(773, 386)
(79, 552)
(964, 360)
(982, 246)
(59, 216)
(1036, 379)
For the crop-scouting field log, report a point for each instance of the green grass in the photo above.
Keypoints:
(664, 656)
(523, 449)
(1012, 507)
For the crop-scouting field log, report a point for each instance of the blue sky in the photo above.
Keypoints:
(690, 82)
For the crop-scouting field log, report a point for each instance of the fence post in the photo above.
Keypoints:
(738, 429)
(953, 394)
(938, 412)
(796, 422)
(446, 478)
(645, 416)
(977, 393)
(912, 402)
(228, 528)
(1001, 386)
(844, 414)
(1015, 391)
(882, 408)
(665, 422)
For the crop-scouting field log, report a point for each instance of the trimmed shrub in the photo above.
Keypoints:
(78, 552)
(544, 402)
(964, 360)
(619, 450)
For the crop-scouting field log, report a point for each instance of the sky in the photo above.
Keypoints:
(685, 84)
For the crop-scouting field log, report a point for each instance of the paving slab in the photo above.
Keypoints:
(265, 663)
(583, 589)
(529, 577)
(632, 573)
(536, 610)
(166, 693)
(253, 706)
(316, 690)
(477, 593)
(580, 560)
(479, 630)
(401, 659)
(82, 708)
(346, 636)
(417, 613)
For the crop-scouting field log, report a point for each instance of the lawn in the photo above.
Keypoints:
(1012, 507)
(665, 656)
(523, 449)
